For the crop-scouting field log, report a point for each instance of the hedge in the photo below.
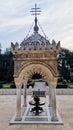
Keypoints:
(12, 86)
(1, 85)
(62, 86)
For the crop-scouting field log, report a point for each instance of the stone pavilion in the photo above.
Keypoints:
(35, 54)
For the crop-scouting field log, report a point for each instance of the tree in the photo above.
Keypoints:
(6, 67)
(10, 69)
(66, 63)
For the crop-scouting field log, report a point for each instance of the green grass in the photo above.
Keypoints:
(59, 83)
(70, 85)
(7, 85)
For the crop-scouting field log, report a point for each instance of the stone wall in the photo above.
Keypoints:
(58, 92)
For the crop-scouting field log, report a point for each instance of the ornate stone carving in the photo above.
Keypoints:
(21, 46)
(16, 46)
(38, 44)
(47, 54)
(12, 46)
(58, 45)
(42, 46)
(32, 46)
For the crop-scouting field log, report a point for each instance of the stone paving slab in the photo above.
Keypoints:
(8, 107)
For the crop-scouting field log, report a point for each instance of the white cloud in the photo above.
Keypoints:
(56, 19)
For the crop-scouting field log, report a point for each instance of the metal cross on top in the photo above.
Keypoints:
(35, 11)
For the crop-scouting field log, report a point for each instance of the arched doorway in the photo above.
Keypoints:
(25, 74)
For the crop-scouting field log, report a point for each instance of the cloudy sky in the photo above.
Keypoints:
(56, 20)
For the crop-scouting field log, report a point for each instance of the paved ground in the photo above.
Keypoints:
(8, 107)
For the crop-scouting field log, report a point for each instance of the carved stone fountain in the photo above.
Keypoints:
(36, 103)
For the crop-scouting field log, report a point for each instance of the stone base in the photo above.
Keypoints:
(18, 119)
(30, 117)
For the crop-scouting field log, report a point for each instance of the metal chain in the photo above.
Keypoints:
(29, 31)
(42, 30)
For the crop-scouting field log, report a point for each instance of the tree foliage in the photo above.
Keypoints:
(66, 67)
(6, 67)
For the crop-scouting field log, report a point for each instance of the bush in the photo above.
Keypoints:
(2, 82)
(1, 86)
(62, 86)
(30, 83)
(12, 86)
(59, 79)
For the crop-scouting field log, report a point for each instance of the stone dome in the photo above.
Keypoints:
(35, 38)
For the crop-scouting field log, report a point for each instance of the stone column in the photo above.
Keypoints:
(18, 112)
(53, 103)
(50, 96)
(50, 99)
(24, 94)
